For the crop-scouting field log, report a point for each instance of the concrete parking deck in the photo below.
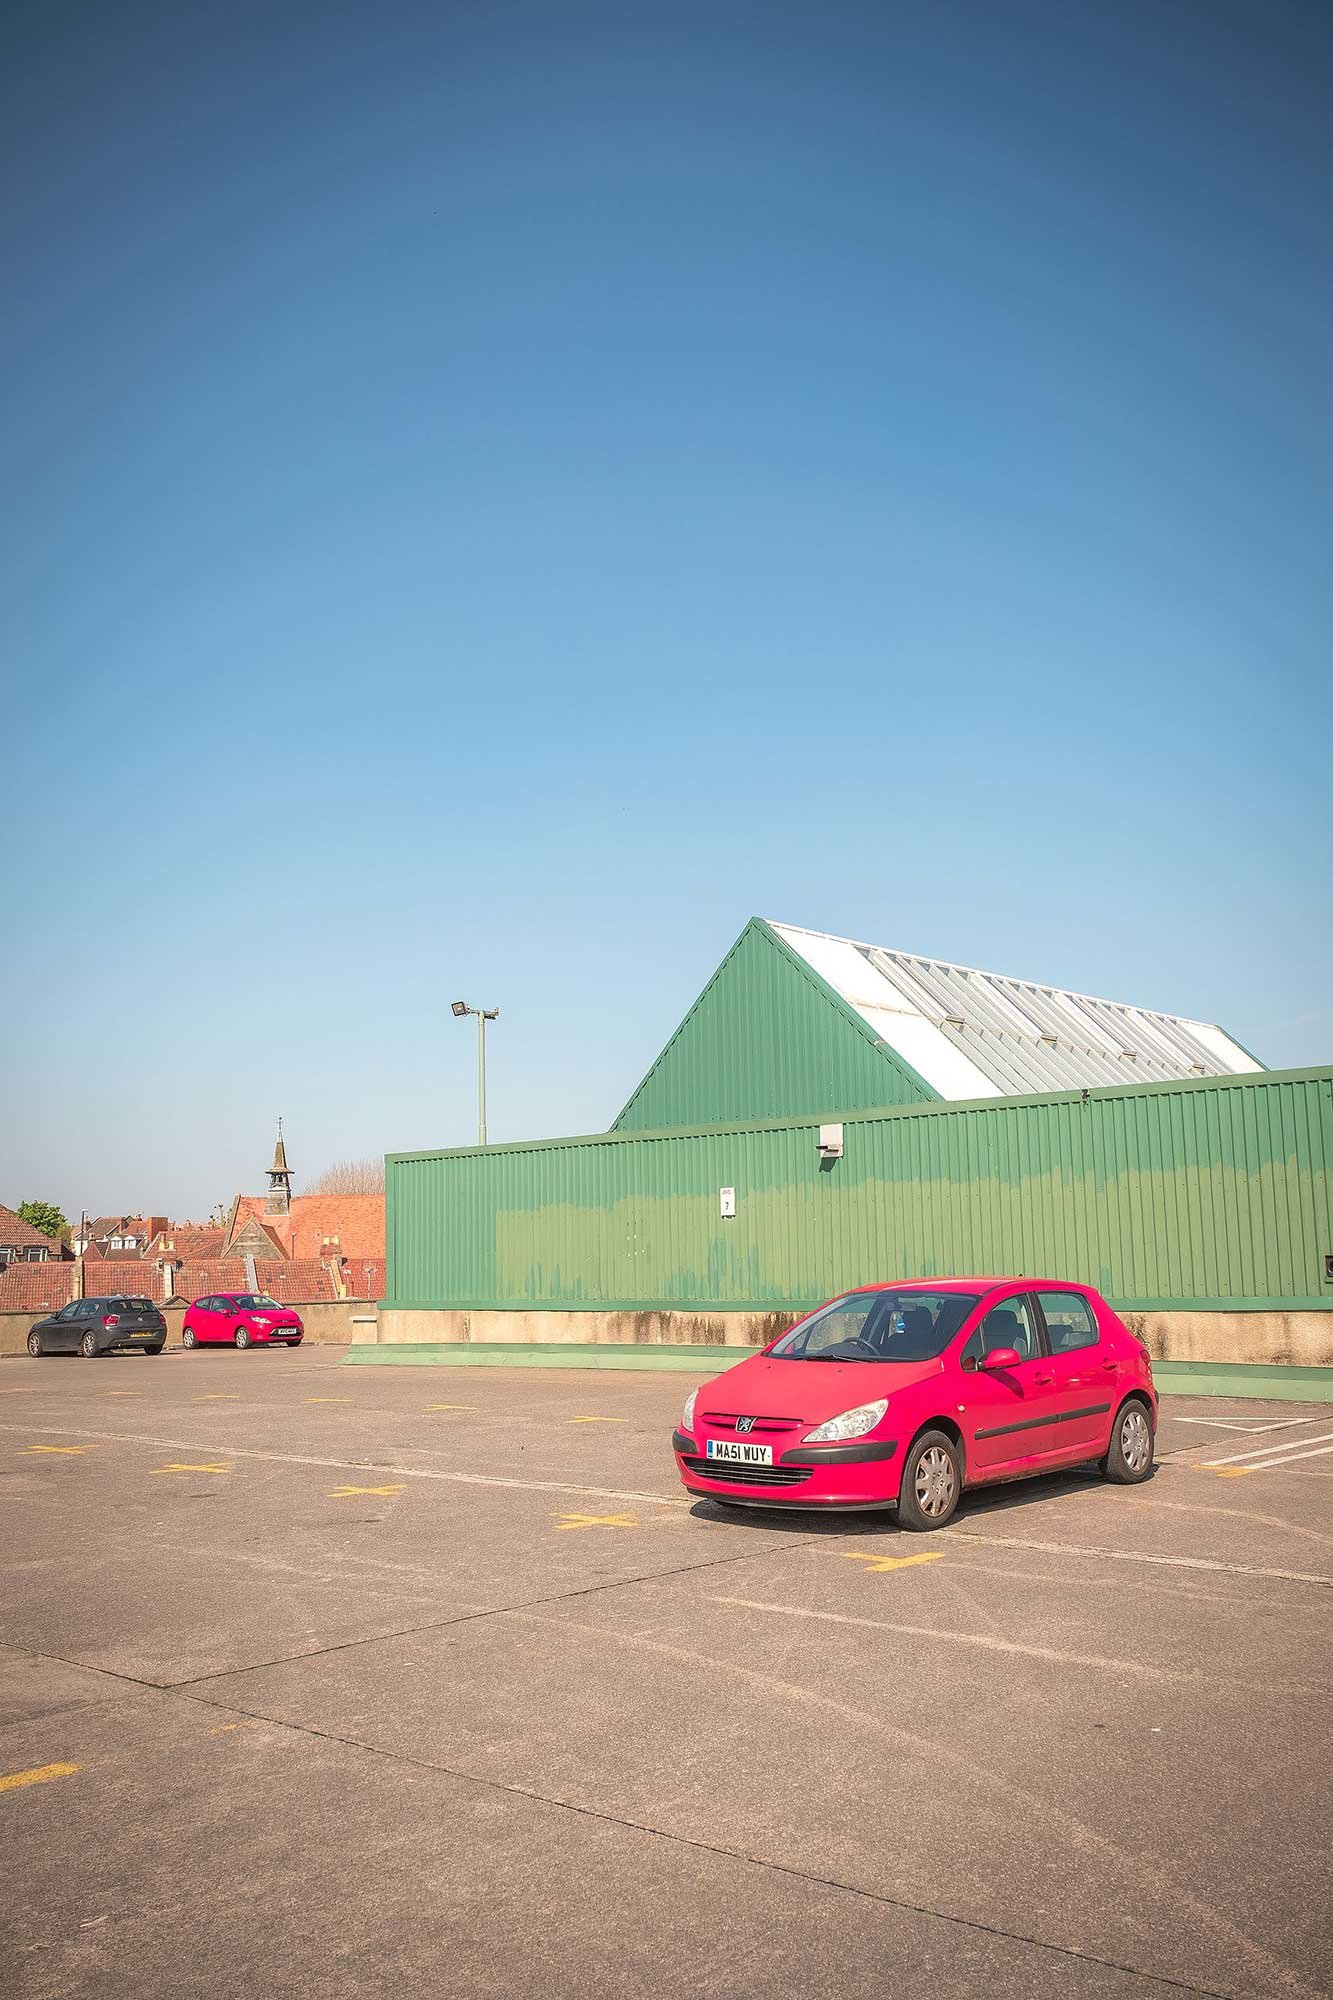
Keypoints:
(366, 1682)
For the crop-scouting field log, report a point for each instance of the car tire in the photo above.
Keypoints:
(157, 1349)
(35, 1347)
(189, 1338)
(1129, 1460)
(242, 1336)
(932, 1483)
(88, 1345)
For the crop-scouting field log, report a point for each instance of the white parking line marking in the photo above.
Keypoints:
(1216, 1424)
(1136, 1555)
(982, 1639)
(1276, 1465)
(357, 1465)
(1268, 1452)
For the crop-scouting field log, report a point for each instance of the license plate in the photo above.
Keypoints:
(733, 1452)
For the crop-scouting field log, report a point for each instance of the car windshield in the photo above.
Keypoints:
(248, 1299)
(879, 1326)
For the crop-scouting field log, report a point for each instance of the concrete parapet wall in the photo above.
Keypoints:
(1298, 1339)
(325, 1323)
(639, 1328)
(1302, 1339)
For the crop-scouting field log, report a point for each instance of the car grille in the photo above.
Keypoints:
(724, 1420)
(748, 1475)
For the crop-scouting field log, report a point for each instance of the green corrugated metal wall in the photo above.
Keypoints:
(767, 1038)
(1215, 1192)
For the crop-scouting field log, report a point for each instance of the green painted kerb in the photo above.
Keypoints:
(501, 1354)
(1257, 1381)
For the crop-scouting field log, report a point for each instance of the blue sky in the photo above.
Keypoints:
(497, 497)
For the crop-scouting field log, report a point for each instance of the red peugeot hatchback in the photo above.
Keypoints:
(241, 1319)
(901, 1395)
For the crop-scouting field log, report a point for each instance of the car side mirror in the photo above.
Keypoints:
(1001, 1357)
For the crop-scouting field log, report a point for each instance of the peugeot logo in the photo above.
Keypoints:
(745, 1423)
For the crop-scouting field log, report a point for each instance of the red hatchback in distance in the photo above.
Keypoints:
(901, 1395)
(242, 1319)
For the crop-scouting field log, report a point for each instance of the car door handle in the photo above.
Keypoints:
(1110, 1367)
(1043, 1381)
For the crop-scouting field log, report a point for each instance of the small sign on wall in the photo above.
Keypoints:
(726, 1201)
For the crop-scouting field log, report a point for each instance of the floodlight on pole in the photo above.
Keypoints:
(460, 1008)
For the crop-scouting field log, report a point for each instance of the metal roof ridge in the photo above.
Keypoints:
(1016, 979)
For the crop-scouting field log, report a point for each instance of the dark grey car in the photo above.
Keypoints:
(95, 1326)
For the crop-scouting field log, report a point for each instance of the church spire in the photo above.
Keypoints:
(279, 1180)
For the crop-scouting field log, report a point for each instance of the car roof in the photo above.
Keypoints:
(958, 1284)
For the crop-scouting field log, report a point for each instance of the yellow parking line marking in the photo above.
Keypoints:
(1227, 1471)
(567, 1521)
(876, 1565)
(596, 1420)
(41, 1774)
(58, 1450)
(451, 1406)
(215, 1396)
(188, 1468)
(327, 1399)
(346, 1492)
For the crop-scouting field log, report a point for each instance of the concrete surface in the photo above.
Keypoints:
(515, 1717)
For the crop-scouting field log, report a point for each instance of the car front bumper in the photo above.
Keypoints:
(863, 1474)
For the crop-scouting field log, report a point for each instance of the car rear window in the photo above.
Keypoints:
(133, 1305)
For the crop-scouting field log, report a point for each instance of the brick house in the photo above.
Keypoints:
(20, 1243)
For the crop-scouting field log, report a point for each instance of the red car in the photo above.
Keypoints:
(901, 1395)
(241, 1319)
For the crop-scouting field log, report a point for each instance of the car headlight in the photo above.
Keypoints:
(851, 1424)
(687, 1414)
(259, 1319)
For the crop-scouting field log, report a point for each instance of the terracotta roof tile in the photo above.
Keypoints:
(187, 1245)
(36, 1288)
(13, 1229)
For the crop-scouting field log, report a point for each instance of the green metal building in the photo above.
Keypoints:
(828, 1113)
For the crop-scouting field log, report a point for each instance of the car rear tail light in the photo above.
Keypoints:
(111, 1319)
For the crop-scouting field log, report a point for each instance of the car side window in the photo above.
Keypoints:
(70, 1312)
(1069, 1321)
(1010, 1324)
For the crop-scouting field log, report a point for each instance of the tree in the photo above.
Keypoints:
(44, 1215)
(350, 1177)
(219, 1214)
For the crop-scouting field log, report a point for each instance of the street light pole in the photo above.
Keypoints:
(459, 1009)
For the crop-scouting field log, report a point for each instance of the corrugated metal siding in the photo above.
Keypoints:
(1183, 1193)
(766, 1039)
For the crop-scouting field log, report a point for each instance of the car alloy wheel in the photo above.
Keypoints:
(935, 1482)
(1135, 1438)
(35, 1343)
(242, 1336)
(88, 1345)
(1128, 1460)
(188, 1337)
(932, 1482)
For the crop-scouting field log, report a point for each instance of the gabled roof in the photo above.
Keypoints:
(971, 1034)
(187, 1243)
(13, 1229)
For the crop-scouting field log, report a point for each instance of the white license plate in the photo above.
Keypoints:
(736, 1453)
